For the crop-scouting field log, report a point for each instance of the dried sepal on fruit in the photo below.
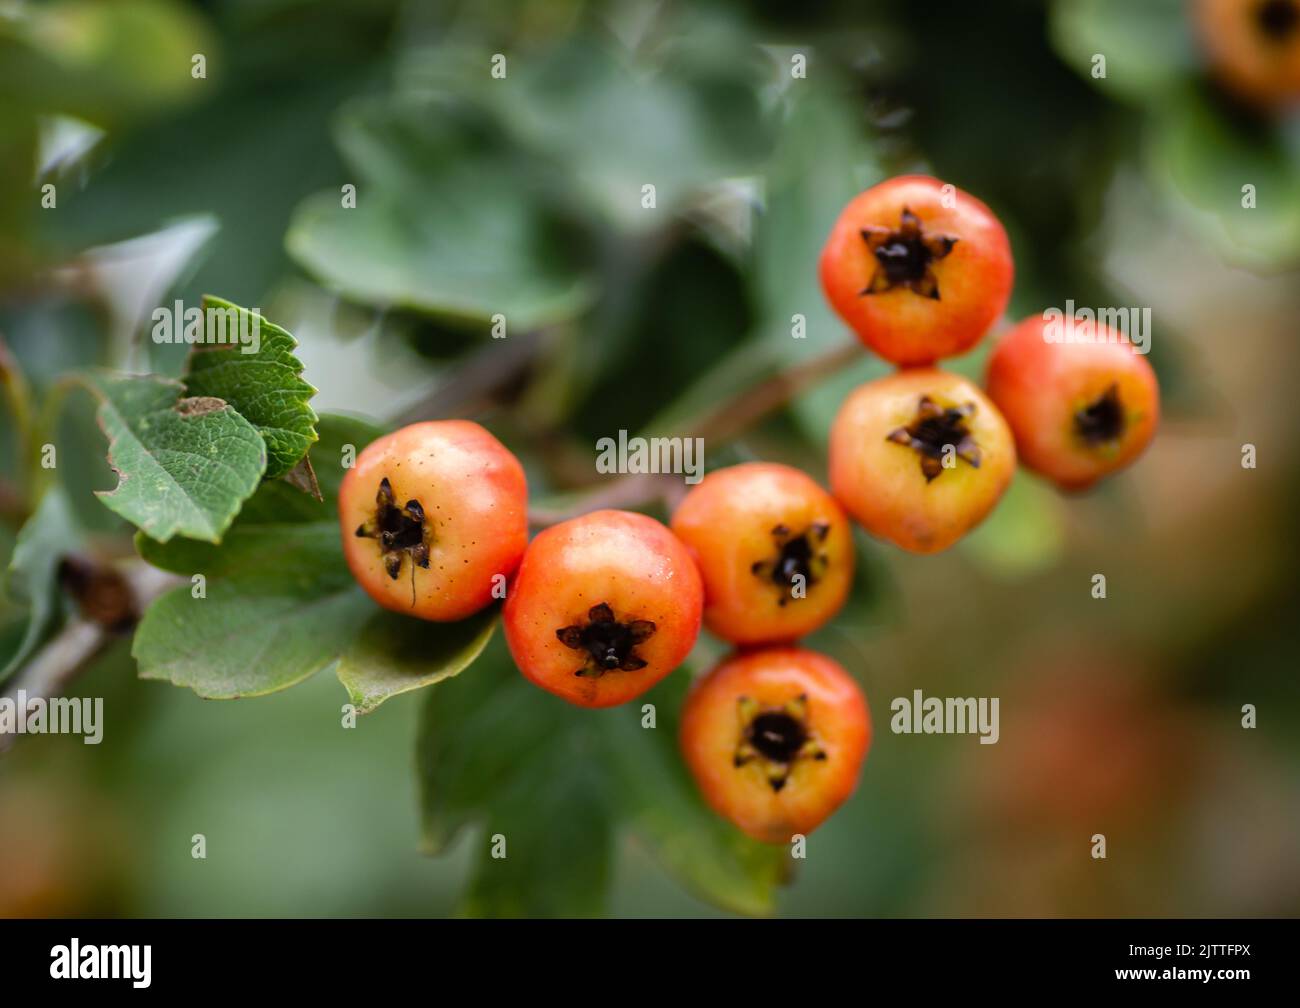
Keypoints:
(800, 560)
(401, 531)
(609, 643)
(776, 738)
(937, 432)
(905, 256)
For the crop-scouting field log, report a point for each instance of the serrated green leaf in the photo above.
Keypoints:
(32, 578)
(184, 465)
(253, 633)
(656, 796)
(264, 386)
(396, 654)
(280, 602)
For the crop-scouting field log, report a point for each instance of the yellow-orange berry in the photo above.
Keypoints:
(920, 457)
(775, 739)
(775, 551)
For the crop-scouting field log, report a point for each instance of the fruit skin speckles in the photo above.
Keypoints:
(916, 280)
(775, 738)
(920, 457)
(1079, 411)
(603, 607)
(775, 551)
(432, 516)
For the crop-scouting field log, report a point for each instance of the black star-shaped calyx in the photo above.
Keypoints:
(905, 257)
(609, 643)
(401, 531)
(775, 738)
(797, 556)
(1102, 420)
(937, 431)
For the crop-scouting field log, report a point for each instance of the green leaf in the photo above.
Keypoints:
(184, 465)
(657, 797)
(280, 603)
(105, 63)
(495, 749)
(264, 385)
(396, 654)
(552, 778)
(681, 120)
(1149, 46)
(1202, 157)
(555, 822)
(476, 730)
(822, 160)
(1024, 535)
(254, 633)
(445, 222)
(33, 575)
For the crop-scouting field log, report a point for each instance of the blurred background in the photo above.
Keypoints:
(522, 195)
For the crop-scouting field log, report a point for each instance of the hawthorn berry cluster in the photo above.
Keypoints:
(601, 607)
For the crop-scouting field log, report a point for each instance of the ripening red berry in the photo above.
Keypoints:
(775, 739)
(1078, 410)
(919, 270)
(1253, 47)
(434, 518)
(920, 457)
(603, 607)
(775, 551)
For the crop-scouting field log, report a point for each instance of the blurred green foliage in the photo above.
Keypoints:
(523, 196)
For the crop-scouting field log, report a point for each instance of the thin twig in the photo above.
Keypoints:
(494, 366)
(81, 640)
(724, 422)
(634, 489)
(738, 414)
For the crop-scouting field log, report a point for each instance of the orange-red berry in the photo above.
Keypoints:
(1253, 47)
(1078, 410)
(920, 457)
(603, 607)
(775, 739)
(434, 517)
(775, 551)
(918, 269)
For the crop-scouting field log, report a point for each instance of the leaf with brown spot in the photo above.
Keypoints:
(185, 466)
